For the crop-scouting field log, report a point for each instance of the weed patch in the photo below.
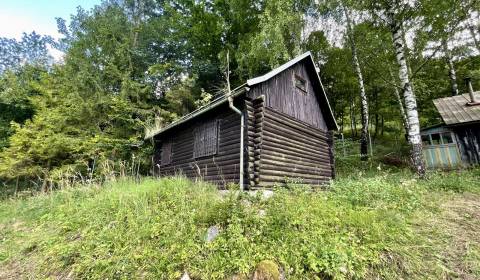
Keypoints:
(364, 227)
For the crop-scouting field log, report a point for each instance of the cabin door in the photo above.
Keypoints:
(441, 150)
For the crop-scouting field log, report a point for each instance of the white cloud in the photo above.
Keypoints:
(12, 25)
(56, 54)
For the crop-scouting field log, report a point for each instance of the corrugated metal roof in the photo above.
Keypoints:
(454, 110)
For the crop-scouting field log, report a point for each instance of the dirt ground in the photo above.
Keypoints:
(459, 223)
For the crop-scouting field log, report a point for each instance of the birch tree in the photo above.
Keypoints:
(341, 11)
(400, 103)
(467, 8)
(394, 14)
(451, 67)
(414, 139)
(363, 96)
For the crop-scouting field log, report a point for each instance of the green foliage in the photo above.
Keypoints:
(130, 64)
(32, 48)
(157, 229)
(127, 65)
(278, 39)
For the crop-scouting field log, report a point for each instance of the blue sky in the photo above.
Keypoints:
(17, 16)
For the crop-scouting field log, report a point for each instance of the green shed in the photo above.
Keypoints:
(440, 147)
(456, 141)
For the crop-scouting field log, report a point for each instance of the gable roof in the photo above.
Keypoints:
(323, 100)
(329, 118)
(454, 110)
(278, 70)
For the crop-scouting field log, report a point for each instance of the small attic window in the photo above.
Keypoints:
(300, 83)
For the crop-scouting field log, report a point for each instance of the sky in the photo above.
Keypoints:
(17, 16)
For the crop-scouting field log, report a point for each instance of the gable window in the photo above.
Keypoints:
(300, 83)
(206, 139)
(166, 156)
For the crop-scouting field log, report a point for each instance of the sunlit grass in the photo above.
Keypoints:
(364, 226)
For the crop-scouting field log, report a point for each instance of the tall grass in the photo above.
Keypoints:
(156, 229)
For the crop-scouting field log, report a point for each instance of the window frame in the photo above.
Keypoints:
(201, 146)
(450, 134)
(440, 134)
(429, 139)
(302, 79)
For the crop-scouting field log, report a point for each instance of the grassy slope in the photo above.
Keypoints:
(368, 226)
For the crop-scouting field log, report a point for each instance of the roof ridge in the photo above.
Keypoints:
(272, 73)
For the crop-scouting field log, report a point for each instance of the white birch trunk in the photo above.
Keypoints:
(451, 68)
(400, 102)
(411, 111)
(363, 96)
(402, 108)
(474, 36)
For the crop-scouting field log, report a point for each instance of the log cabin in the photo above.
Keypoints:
(273, 130)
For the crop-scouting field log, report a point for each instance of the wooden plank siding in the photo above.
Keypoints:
(468, 138)
(221, 168)
(280, 94)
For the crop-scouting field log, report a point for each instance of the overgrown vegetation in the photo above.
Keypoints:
(131, 64)
(72, 129)
(364, 227)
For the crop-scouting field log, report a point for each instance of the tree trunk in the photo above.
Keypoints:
(16, 186)
(414, 138)
(376, 115)
(363, 96)
(382, 126)
(342, 118)
(353, 121)
(402, 109)
(467, 14)
(451, 68)
(474, 36)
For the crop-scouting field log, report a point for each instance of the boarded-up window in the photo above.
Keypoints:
(166, 157)
(206, 139)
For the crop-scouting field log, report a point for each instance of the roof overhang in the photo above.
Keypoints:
(455, 110)
(278, 70)
(215, 103)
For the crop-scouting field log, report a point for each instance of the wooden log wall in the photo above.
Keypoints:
(290, 150)
(221, 168)
(254, 136)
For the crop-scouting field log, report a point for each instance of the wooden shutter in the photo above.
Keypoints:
(166, 157)
(206, 139)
